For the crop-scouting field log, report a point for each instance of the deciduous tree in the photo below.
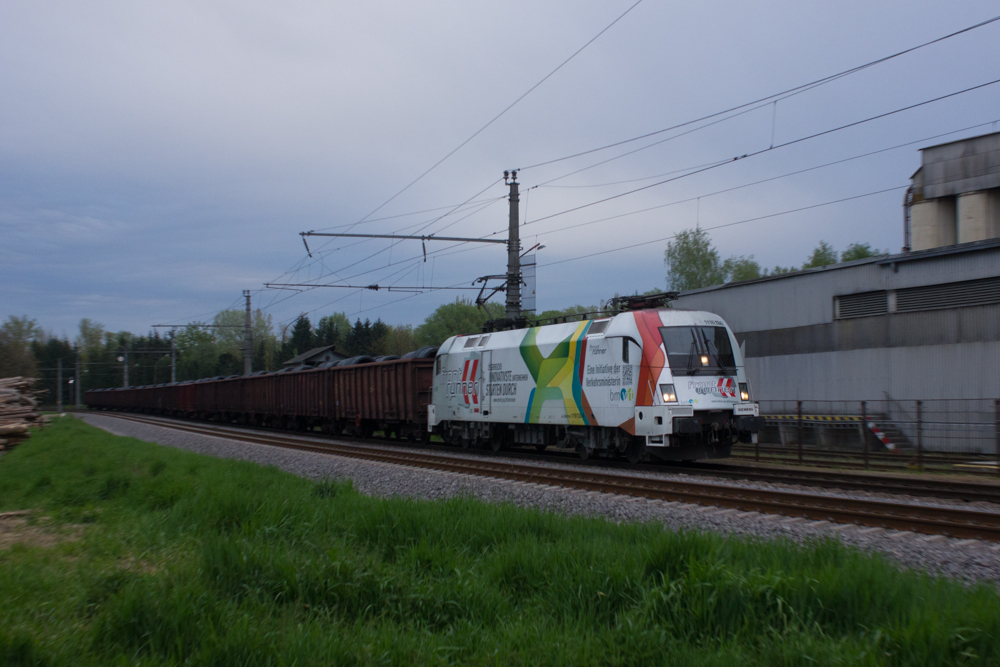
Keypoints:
(692, 262)
(16, 336)
(450, 319)
(822, 255)
(859, 251)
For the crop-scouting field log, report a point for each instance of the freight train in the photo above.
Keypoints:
(661, 383)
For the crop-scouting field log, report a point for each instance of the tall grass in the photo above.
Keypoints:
(191, 560)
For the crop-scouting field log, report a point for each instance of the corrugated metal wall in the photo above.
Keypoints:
(966, 370)
(952, 353)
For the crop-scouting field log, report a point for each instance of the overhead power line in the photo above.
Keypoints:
(457, 248)
(497, 117)
(728, 224)
(811, 84)
(471, 203)
(374, 287)
(767, 150)
(764, 180)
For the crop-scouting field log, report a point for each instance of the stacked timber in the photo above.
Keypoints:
(18, 410)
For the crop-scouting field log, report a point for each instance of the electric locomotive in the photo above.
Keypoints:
(665, 383)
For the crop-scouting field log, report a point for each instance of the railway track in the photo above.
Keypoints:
(950, 521)
(919, 486)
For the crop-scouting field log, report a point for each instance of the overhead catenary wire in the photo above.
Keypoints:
(759, 182)
(768, 150)
(275, 300)
(375, 287)
(736, 108)
(499, 115)
(815, 83)
(404, 215)
(728, 224)
(457, 248)
(665, 238)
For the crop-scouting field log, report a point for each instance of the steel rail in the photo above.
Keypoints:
(953, 522)
(853, 481)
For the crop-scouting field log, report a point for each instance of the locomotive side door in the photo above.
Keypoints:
(485, 389)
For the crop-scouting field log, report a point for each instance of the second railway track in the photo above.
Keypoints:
(918, 518)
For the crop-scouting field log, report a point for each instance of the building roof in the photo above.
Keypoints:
(973, 246)
(306, 357)
(809, 297)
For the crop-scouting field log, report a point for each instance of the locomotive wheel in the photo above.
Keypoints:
(464, 442)
(541, 448)
(496, 444)
(635, 450)
(583, 452)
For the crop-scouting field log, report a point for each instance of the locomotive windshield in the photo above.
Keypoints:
(693, 349)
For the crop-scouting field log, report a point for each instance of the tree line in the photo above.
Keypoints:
(210, 349)
(693, 262)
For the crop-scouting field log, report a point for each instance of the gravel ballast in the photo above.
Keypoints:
(969, 560)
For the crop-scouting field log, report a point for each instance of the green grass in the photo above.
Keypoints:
(186, 559)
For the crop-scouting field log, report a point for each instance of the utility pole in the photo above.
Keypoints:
(125, 383)
(173, 338)
(513, 251)
(512, 282)
(248, 338)
(59, 384)
(76, 381)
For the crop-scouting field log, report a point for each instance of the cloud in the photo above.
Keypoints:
(157, 159)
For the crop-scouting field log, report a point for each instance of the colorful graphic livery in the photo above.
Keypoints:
(668, 383)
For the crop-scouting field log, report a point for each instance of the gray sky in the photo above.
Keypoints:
(156, 159)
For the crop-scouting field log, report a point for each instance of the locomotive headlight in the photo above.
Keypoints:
(744, 392)
(704, 360)
(668, 393)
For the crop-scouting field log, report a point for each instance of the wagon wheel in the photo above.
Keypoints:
(583, 452)
(496, 444)
(464, 442)
(635, 450)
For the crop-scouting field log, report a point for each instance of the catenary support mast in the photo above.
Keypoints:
(248, 339)
(513, 251)
(512, 315)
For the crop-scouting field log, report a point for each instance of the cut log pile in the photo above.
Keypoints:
(18, 410)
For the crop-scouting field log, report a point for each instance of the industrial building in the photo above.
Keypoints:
(922, 324)
(917, 325)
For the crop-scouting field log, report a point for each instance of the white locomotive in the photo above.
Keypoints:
(665, 382)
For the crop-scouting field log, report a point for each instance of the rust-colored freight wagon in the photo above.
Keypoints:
(388, 392)
(360, 398)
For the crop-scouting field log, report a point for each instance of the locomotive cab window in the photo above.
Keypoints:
(483, 340)
(471, 342)
(698, 349)
(437, 366)
(598, 327)
(631, 352)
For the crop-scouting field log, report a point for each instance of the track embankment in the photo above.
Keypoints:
(949, 521)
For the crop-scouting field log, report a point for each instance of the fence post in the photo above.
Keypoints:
(800, 429)
(996, 408)
(864, 430)
(920, 438)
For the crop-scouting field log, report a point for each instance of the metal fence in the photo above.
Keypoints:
(930, 431)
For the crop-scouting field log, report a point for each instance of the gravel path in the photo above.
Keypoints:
(969, 560)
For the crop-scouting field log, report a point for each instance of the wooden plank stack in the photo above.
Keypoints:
(18, 410)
